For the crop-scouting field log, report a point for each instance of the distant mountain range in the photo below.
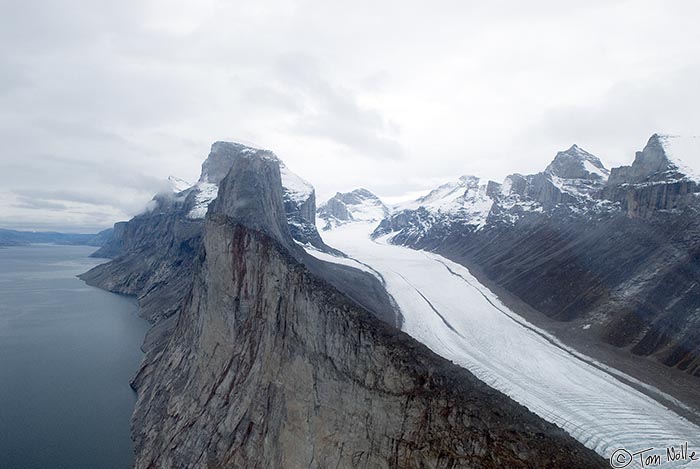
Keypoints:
(614, 254)
(23, 238)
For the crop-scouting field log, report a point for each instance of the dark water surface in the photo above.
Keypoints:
(67, 352)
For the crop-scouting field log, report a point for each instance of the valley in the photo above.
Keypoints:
(446, 308)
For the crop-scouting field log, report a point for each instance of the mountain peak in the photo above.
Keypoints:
(577, 163)
(251, 194)
(363, 193)
(664, 158)
(682, 153)
(358, 205)
(221, 158)
(469, 180)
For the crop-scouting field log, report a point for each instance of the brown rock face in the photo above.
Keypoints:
(269, 366)
(645, 200)
(154, 261)
(651, 183)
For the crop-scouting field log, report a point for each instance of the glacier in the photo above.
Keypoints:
(448, 310)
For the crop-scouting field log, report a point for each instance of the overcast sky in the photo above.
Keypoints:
(100, 100)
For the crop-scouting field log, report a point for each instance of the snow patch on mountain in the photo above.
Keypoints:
(205, 193)
(295, 188)
(178, 185)
(683, 153)
(359, 205)
(603, 173)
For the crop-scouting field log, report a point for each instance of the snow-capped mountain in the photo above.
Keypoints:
(194, 200)
(296, 191)
(683, 154)
(609, 250)
(665, 158)
(573, 177)
(577, 163)
(571, 180)
(355, 206)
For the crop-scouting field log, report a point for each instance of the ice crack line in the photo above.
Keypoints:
(431, 306)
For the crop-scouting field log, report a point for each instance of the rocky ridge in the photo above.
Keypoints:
(614, 251)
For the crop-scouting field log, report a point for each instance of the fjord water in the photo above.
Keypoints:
(67, 352)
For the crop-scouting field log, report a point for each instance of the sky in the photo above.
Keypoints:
(101, 101)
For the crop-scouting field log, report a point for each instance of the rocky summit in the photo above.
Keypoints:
(358, 205)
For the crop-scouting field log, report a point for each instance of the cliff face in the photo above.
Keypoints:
(153, 253)
(645, 200)
(654, 182)
(271, 366)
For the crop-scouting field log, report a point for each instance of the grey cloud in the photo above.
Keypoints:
(630, 112)
(334, 113)
(38, 204)
(100, 101)
(63, 195)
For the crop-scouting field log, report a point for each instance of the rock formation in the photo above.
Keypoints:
(270, 365)
(153, 252)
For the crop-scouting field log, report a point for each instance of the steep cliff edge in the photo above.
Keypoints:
(152, 254)
(271, 366)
